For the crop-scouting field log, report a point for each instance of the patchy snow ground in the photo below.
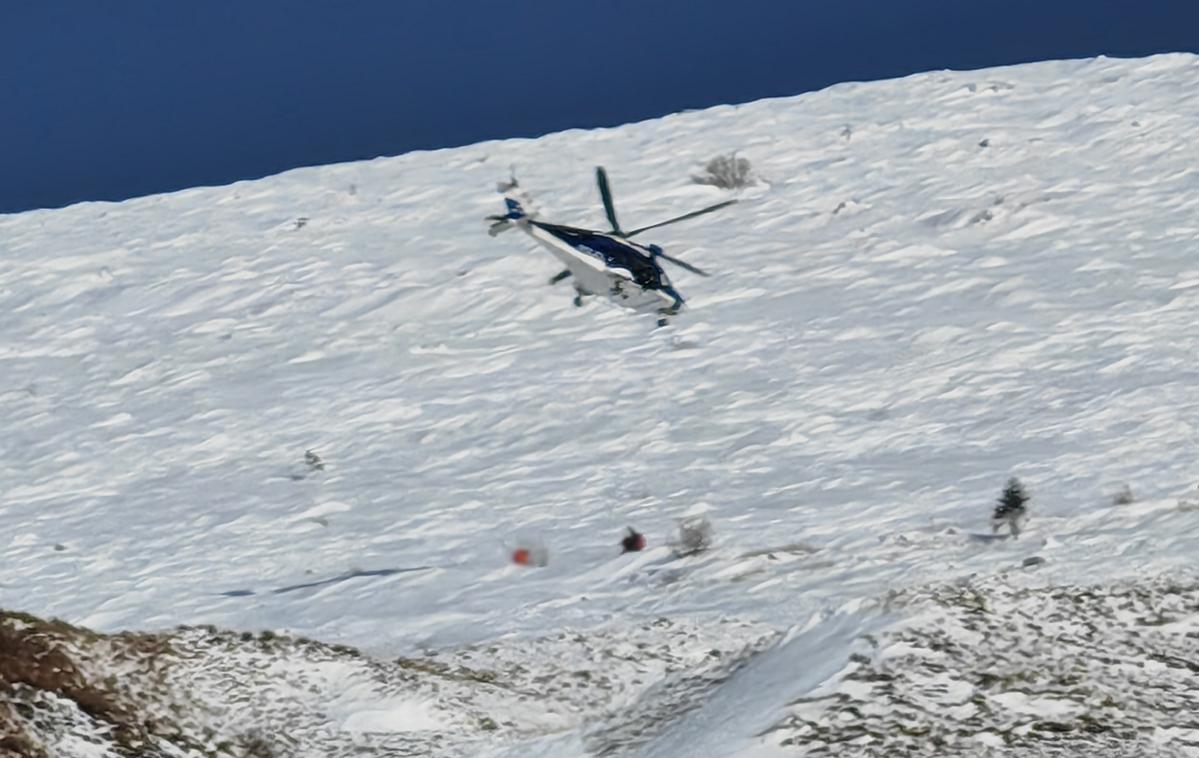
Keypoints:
(940, 282)
(999, 667)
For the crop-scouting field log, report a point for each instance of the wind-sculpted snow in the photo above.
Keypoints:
(328, 405)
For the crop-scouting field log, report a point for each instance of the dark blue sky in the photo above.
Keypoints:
(108, 100)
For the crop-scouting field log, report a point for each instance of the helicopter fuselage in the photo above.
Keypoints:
(604, 264)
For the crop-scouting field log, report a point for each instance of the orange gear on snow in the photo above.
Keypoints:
(521, 556)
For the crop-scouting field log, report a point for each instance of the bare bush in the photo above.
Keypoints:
(726, 172)
(1124, 496)
(695, 535)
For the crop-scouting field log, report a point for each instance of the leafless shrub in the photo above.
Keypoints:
(1124, 496)
(695, 535)
(726, 172)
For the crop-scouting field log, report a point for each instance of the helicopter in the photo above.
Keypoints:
(604, 263)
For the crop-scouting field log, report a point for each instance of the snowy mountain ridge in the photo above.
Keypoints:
(940, 282)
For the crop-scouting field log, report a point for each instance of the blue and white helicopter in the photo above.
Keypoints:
(604, 263)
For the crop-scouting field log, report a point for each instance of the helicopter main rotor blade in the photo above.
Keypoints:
(684, 217)
(684, 264)
(601, 178)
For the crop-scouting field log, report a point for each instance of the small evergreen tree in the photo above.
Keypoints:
(1011, 508)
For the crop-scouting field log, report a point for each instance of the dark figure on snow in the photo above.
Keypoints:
(633, 541)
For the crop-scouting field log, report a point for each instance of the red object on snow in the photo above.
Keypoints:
(633, 541)
(534, 554)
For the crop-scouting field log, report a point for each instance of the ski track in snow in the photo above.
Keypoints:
(946, 280)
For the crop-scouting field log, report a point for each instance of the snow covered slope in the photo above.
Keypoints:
(941, 281)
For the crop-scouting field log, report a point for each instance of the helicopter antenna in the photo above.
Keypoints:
(601, 178)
